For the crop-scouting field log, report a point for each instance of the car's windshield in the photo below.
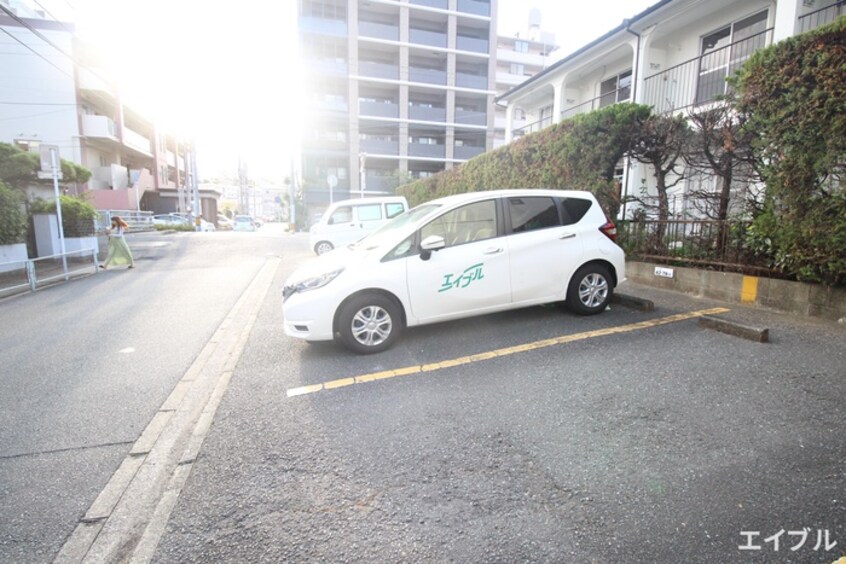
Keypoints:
(410, 217)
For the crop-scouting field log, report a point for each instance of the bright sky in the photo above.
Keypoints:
(219, 77)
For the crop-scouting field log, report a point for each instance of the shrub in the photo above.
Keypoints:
(78, 214)
(12, 216)
(792, 97)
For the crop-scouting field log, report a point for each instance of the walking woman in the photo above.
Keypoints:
(119, 253)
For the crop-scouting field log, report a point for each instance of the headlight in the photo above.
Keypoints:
(310, 283)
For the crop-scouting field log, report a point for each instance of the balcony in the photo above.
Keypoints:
(471, 117)
(170, 158)
(533, 127)
(822, 16)
(381, 183)
(430, 38)
(379, 146)
(426, 150)
(378, 70)
(700, 80)
(323, 26)
(441, 4)
(100, 127)
(471, 81)
(427, 76)
(138, 142)
(607, 99)
(327, 67)
(472, 44)
(378, 109)
(92, 82)
(467, 152)
(378, 30)
(474, 7)
(426, 113)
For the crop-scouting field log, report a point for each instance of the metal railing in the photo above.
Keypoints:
(607, 99)
(822, 16)
(713, 244)
(702, 79)
(30, 274)
(532, 127)
(137, 220)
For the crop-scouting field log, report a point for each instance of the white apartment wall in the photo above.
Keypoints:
(38, 99)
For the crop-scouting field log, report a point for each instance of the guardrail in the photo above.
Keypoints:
(137, 220)
(30, 274)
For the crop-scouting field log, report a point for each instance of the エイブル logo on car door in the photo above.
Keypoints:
(463, 279)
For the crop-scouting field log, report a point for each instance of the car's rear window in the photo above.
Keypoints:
(574, 209)
(532, 213)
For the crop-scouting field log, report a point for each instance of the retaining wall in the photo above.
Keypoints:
(812, 300)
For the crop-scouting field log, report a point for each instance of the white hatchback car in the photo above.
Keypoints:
(455, 257)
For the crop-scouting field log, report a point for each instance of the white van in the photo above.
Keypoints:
(347, 221)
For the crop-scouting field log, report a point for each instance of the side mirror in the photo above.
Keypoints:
(330, 221)
(429, 244)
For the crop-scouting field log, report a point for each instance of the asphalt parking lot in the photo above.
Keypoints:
(534, 435)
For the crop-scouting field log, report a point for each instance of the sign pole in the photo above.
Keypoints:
(54, 157)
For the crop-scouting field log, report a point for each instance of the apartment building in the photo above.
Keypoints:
(518, 58)
(55, 89)
(397, 89)
(673, 56)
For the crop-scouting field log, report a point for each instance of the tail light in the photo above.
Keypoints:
(609, 230)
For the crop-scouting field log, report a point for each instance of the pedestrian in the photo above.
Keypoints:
(119, 252)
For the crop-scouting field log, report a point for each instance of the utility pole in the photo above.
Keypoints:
(243, 184)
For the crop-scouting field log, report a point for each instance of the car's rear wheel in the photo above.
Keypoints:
(590, 290)
(369, 323)
(323, 247)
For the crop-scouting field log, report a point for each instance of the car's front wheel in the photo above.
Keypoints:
(590, 290)
(323, 247)
(369, 323)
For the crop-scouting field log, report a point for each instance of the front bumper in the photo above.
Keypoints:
(309, 316)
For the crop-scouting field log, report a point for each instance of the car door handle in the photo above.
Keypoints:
(493, 251)
(567, 236)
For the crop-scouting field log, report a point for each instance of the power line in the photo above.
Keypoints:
(40, 5)
(35, 32)
(37, 104)
(36, 115)
(48, 61)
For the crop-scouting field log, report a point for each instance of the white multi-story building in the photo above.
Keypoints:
(519, 57)
(55, 90)
(673, 56)
(397, 89)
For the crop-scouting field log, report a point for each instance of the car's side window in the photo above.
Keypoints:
(574, 209)
(394, 210)
(341, 215)
(532, 213)
(473, 222)
(370, 212)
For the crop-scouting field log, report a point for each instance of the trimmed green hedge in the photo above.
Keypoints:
(579, 154)
(794, 97)
(12, 216)
(78, 214)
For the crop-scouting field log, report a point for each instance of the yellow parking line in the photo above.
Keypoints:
(507, 351)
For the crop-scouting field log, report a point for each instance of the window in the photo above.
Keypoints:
(521, 46)
(517, 68)
(473, 222)
(531, 214)
(394, 210)
(615, 89)
(370, 212)
(573, 210)
(724, 51)
(341, 215)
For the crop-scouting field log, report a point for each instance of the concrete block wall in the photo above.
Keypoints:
(812, 300)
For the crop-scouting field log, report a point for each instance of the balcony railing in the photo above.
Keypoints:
(425, 113)
(378, 30)
(474, 7)
(702, 79)
(473, 44)
(378, 109)
(426, 150)
(471, 117)
(532, 127)
(822, 16)
(471, 81)
(99, 126)
(424, 37)
(607, 99)
(442, 4)
(467, 152)
(378, 70)
(428, 76)
(379, 146)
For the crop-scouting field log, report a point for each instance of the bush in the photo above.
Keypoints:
(12, 216)
(792, 96)
(577, 154)
(78, 214)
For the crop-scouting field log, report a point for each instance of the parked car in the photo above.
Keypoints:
(244, 223)
(207, 226)
(224, 223)
(348, 221)
(170, 220)
(456, 257)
